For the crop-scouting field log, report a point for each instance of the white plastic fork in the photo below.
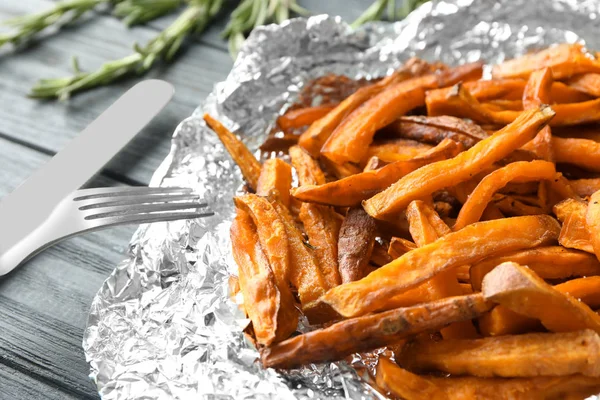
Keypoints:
(92, 209)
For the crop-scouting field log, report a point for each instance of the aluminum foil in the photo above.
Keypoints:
(163, 324)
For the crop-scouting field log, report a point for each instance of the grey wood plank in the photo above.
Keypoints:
(17, 385)
(45, 302)
(50, 125)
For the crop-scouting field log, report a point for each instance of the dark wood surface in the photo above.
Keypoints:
(44, 303)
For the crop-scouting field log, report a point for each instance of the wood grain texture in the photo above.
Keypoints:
(44, 304)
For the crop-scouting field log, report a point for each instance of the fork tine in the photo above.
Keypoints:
(135, 200)
(149, 218)
(95, 193)
(105, 212)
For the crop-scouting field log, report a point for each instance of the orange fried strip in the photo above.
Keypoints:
(529, 355)
(248, 164)
(521, 290)
(435, 129)
(576, 113)
(275, 174)
(371, 331)
(305, 273)
(320, 223)
(317, 134)
(397, 150)
(587, 83)
(355, 245)
(536, 93)
(565, 60)
(512, 89)
(457, 101)
(592, 218)
(436, 176)
(400, 246)
(469, 245)
(585, 187)
(426, 227)
(581, 152)
(300, 117)
(553, 262)
(574, 233)
(521, 171)
(406, 385)
(349, 141)
(510, 206)
(272, 311)
(380, 256)
(503, 105)
(352, 190)
(503, 321)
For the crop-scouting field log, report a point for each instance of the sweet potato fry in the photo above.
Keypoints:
(397, 150)
(565, 60)
(406, 385)
(512, 89)
(374, 163)
(592, 218)
(586, 290)
(305, 273)
(585, 187)
(521, 290)
(271, 233)
(587, 83)
(380, 256)
(457, 101)
(441, 174)
(426, 227)
(400, 246)
(300, 117)
(576, 113)
(508, 89)
(307, 168)
(538, 92)
(503, 321)
(469, 245)
(435, 129)
(317, 134)
(371, 331)
(534, 354)
(503, 105)
(275, 174)
(553, 262)
(515, 172)
(320, 223)
(510, 206)
(355, 245)
(352, 190)
(574, 233)
(248, 164)
(349, 141)
(272, 311)
(466, 288)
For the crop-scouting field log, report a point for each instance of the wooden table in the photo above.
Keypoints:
(44, 304)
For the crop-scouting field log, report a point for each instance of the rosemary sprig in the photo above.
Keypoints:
(195, 18)
(252, 13)
(134, 12)
(64, 12)
(377, 10)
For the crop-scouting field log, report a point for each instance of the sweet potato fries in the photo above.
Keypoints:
(452, 219)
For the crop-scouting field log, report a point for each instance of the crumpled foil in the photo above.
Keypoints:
(163, 324)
